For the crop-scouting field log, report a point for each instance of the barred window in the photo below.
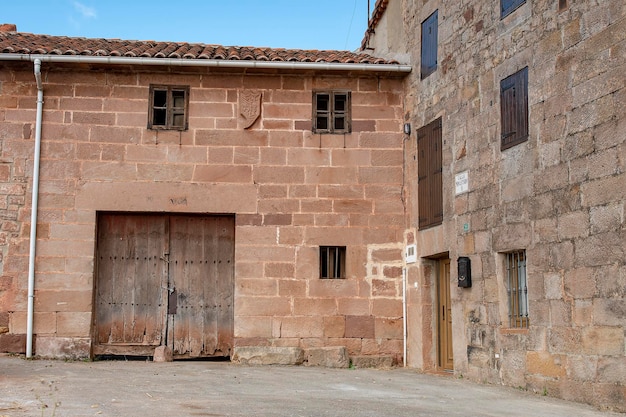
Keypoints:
(517, 288)
(332, 262)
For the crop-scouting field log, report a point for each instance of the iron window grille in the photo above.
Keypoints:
(168, 107)
(331, 112)
(517, 289)
(332, 262)
(509, 6)
(429, 45)
(514, 109)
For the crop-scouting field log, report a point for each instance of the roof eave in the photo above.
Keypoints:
(211, 63)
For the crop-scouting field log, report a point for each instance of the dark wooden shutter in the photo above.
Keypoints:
(429, 45)
(514, 109)
(429, 172)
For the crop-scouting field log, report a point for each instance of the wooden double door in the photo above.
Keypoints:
(164, 280)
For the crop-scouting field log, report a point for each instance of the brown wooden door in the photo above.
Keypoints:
(444, 318)
(201, 278)
(164, 280)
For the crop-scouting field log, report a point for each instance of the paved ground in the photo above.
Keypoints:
(176, 389)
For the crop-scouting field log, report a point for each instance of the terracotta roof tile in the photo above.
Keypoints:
(28, 43)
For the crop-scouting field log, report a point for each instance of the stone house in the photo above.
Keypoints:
(199, 197)
(474, 193)
(516, 171)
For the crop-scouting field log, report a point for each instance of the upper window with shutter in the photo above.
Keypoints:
(331, 112)
(508, 6)
(429, 173)
(514, 109)
(168, 107)
(429, 45)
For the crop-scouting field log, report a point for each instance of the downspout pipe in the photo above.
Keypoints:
(404, 321)
(33, 214)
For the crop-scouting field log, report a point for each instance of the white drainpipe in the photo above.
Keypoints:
(404, 321)
(33, 214)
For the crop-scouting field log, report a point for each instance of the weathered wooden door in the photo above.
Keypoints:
(164, 280)
(444, 317)
(200, 311)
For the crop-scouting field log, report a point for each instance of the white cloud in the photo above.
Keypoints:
(85, 11)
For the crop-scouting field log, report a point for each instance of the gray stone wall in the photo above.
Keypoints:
(560, 195)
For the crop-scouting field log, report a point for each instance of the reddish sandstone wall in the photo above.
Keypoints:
(291, 191)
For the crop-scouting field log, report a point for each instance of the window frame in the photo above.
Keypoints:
(328, 261)
(516, 281)
(514, 109)
(169, 108)
(430, 174)
(332, 114)
(429, 47)
(509, 6)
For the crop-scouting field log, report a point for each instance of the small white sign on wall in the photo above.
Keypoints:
(461, 183)
(411, 254)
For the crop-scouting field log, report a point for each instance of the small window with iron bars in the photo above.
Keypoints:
(332, 262)
(517, 289)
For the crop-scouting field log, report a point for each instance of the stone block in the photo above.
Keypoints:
(163, 354)
(564, 340)
(360, 327)
(314, 307)
(582, 368)
(302, 326)
(329, 357)
(334, 327)
(580, 283)
(603, 340)
(372, 361)
(611, 369)
(384, 288)
(267, 355)
(609, 311)
(12, 343)
(546, 364)
(62, 347)
(253, 327)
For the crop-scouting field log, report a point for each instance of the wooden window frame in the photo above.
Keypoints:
(509, 6)
(332, 262)
(428, 55)
(514, 109)
(326, 120)
(430, 175)
(517, 288)
(168, 110)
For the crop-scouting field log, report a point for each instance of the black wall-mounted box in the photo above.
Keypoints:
(465, 272)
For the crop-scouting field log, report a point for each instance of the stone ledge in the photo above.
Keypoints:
(329, 357)
(372, 361)
(267, 355)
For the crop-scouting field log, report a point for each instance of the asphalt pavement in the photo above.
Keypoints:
(46, 388)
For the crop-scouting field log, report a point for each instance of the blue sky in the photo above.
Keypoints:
(301, 24)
